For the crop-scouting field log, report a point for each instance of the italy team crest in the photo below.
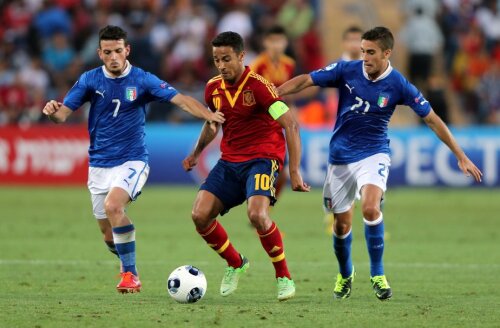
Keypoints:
(131, 93)
(248, 98)
(383, 100)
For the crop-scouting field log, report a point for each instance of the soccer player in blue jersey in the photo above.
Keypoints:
(369, 90)
(118, 94)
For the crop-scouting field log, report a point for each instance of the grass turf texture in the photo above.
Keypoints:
(442, 259)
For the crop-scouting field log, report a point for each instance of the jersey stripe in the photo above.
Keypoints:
(269, 85)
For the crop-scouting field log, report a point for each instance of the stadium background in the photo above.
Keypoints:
(47, 44)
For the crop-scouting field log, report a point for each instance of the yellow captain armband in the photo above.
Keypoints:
(277, 109)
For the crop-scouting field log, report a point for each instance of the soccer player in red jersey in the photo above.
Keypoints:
(276, 67)
(253, 150)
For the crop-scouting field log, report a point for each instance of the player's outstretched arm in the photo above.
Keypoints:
(195, 108)
(441, 130)
(295, 85)
(56, 111)
(292, 134)
(207, 135)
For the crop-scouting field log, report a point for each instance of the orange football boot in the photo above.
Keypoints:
(129, 283)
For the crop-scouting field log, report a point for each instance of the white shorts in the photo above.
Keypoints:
(130, 176)
(344, 182)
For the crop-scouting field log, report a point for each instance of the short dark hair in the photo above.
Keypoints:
(276, 29)
(112, 32)
(351, 29)
(381, 35)
(229, 39)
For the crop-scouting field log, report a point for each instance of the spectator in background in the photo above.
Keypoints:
(273, 64)
(58, 54)
(489, 94)
(52, 19)
(436, 95)
(488, 18)
(424, 40)
(351, 43)
(297, 16)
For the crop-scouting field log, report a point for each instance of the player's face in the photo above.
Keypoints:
(229, 63)
(352, 45)
(275, 44)
(114, 55)
(375, 60)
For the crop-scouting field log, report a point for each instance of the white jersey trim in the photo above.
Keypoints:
(126, 71)
(382, 76)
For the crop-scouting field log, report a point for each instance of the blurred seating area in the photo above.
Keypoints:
(46, 45)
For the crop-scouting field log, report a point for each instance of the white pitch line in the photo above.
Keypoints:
(428, 265)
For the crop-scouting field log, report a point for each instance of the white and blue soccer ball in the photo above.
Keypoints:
(187, 284)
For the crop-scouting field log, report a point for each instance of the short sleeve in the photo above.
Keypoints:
(208, 97)
(158, 89)
(413, 98)
(266, 93)
(78, 94)
(328, 76)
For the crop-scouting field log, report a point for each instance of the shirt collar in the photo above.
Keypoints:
(127, 69)
(226, 85)
(382, 76)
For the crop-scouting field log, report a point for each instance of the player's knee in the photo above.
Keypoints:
(341, 228)
(113, 209)
(200, 218)
(259, 219)
(371, 212)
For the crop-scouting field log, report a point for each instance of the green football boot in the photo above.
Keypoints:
(381, 287)
(343, 286)
(230, 280)
(286, 288)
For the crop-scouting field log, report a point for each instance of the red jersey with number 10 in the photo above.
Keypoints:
(249, 131)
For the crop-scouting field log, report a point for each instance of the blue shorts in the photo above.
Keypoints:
(233, 183)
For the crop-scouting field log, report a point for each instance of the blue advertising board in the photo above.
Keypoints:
(418, 157)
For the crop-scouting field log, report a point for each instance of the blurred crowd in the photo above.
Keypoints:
(464, 37)
(46, 45)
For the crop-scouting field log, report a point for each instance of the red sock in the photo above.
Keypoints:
(216, 237)
(273, 244)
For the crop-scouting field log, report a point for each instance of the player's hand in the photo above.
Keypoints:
(189, 162)
(298, 184)
(466, 165)
(51, 107)
(217, 117)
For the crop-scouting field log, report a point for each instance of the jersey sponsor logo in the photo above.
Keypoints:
(131, 93)
(420, 97)
(383, 100)
(348, 87)
(248, 98)
(163, 85)
(100, 93)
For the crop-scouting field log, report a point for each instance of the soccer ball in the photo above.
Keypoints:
(187, 284)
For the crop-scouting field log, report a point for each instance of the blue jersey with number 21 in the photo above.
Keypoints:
(365, 108)
(117, 112)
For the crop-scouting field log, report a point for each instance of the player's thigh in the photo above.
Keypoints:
(261, 176)
(224, 183)
(339, 190)
(371, 177)
(131, 176)
(99, 181)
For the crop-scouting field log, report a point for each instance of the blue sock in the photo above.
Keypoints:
(124, 238)
(342, 247)
(374, 235)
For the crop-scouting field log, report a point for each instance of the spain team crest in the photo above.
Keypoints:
(383, 100)
(131, 93)
(248, 98)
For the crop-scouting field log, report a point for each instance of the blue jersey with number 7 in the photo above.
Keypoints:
(117, 112)
(365, 108)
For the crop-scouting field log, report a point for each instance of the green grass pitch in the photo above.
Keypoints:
(442, 258)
